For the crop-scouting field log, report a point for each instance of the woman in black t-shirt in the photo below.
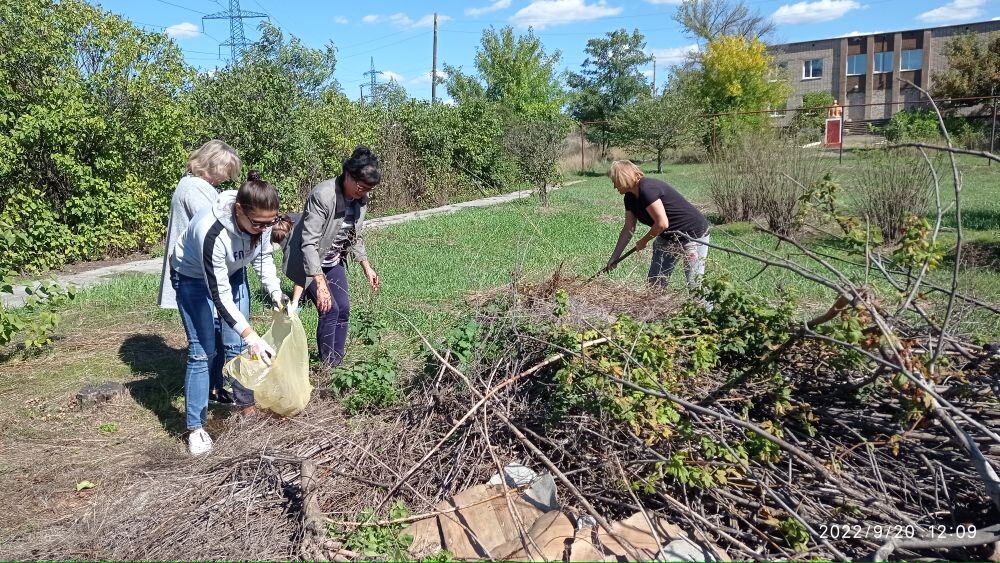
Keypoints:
(678, 228)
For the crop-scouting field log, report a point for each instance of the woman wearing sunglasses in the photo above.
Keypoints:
(210, 260)
(316, 251)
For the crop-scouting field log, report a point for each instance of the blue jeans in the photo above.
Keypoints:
(331, 330)
(207, 335)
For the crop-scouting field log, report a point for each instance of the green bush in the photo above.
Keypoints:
(811, 117)
(92, 121)
(912, 125)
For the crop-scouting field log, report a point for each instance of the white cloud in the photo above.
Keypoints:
(860, 33)
(425, 78)
(814, 12)
(674, 2)
(673, 55)
(496, 6)
(341, 20)
(404, 21)
(182, 30)
(390, 75)
(543, 13)
(956, 10)
(995, 19)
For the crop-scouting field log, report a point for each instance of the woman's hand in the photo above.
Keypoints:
(372, 276)
(323, 300)
(641, 243)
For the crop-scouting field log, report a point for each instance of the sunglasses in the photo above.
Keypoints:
(264, 224)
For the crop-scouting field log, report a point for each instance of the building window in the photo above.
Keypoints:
(912, 59)
(812, 68)
(883, 62)
(857, 64)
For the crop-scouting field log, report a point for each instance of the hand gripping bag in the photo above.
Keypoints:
(283, 387)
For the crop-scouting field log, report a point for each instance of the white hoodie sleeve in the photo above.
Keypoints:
(214, 255)
(263, 264)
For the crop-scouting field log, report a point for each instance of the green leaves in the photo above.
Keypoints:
(92, 127)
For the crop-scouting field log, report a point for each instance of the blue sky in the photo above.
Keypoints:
(399, 36)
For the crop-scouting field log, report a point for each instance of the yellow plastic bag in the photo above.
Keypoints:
(283, 387)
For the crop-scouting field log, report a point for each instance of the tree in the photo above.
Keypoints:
(973, 69)
(514, 71)
(263, 105)
(657, 123)
(735, 77)
(610, 80)
(536, 144)
(711, 19)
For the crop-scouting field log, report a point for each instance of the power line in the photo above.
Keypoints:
(179, 6)
(426, 33)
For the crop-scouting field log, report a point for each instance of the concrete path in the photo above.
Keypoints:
(93, 277)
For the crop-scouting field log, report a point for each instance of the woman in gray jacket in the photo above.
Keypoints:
(210, 165)
(315, 253)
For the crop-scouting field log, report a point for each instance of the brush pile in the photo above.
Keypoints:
(813, 450)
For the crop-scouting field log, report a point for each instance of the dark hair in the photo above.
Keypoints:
(257, 195)
(363, 166)
(281, 229)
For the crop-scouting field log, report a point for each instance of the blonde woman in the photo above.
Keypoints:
(209, 166)
(676, 227)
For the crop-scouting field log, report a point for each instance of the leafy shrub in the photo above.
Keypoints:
(93, 123)
(739, 330)
(912, 125)
(35, 320)
(371, 382)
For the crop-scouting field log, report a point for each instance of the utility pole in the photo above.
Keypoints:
(434, 62)
(237, 41)
(654, 75)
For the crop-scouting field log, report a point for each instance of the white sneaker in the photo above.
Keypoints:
(199, 442)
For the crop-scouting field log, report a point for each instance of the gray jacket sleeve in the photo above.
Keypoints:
(314, 218)
(357, 249)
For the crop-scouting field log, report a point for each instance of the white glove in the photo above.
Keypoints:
(292, 308)
(259, 348)
(279, 300)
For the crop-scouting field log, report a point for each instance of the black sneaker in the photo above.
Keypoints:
(220, 397)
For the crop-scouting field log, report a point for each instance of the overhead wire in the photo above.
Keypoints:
(182, 7)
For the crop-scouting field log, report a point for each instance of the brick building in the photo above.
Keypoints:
(863, 69)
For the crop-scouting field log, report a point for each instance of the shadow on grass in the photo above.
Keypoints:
(149, 355)
(976, 219)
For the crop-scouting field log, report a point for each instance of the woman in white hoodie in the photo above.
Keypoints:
(210, 165)
(209, 262)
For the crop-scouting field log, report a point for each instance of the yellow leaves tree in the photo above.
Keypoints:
(736, 77)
